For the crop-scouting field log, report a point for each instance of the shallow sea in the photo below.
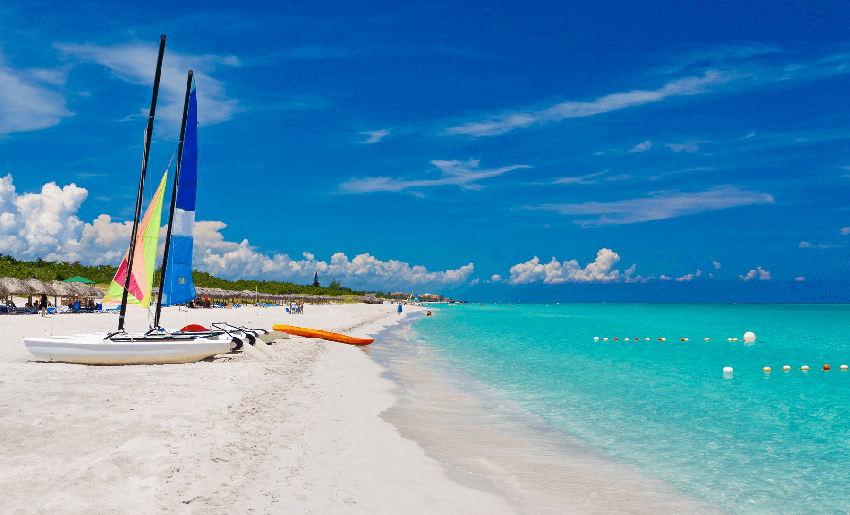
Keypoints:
(522, 401)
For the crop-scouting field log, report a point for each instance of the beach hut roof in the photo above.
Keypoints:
(57, 288)
(35, 286)
(78, 279)
(14, 286)
(94, 291)
(76, 289)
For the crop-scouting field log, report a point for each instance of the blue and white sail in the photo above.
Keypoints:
(178, 287)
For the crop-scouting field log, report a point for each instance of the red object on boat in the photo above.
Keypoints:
(193, 327)
(325, 335)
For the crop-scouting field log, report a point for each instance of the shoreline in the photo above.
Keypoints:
(298, 433)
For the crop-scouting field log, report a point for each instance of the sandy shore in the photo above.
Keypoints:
(299, 433)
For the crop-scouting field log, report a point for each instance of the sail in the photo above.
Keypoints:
(147, 238)
(178, 286)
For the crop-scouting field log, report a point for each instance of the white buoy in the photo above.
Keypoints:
(727, 370)
(706, 339)
(749, 336)
(605, 339)
(728, 339)
(627, 339)
(734, 339)
(843, 367)
(786, 368)
(687, 340)
(647, 339)
(596, 338)
(804, 367)
(766, 369)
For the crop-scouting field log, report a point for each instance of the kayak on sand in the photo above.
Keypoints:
(318, 333)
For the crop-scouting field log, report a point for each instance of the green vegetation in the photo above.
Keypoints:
(54, 270)
(103, 274)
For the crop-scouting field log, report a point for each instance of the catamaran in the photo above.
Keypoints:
(133, 281)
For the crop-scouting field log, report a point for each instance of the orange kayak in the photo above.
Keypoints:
(325, 335)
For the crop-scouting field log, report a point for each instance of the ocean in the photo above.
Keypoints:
(522, 401)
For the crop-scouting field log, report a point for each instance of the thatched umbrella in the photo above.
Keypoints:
(14, 286)
(94, 291)
(35, 286)
(57, 289)
(76, 289)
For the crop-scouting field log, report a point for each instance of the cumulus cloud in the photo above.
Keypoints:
(716, 265)
(464, 174)
(510, 120)
(689, 277)
(845, 231)
(29, 100)
(474, 282)
(46, 225)
(134, 63)
(659, 205)
(555, 272)
(665, 278)
(805, 245)
(758, 273)
(375, 136)
(800, 279)
(496, 278)
(642, 147)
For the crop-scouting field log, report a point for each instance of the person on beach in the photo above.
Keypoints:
(399, 308)
(43, 304)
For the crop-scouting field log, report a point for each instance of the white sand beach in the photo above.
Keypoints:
(299, 433)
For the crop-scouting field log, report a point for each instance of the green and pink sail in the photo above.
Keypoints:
(144, 260)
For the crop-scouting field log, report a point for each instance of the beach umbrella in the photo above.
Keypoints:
(57, 289)
(14, 286)
(35, 286)
(93, 291)
(76, 289)
(78, 279)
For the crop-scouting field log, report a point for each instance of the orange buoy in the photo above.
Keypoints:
(826, 367)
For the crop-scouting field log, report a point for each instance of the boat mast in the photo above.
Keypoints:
(148, 133)
(173, 201)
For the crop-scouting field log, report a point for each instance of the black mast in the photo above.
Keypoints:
(148, 134)
(173, 201)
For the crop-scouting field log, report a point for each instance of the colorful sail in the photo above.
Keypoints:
(178, 286)
(144, 259)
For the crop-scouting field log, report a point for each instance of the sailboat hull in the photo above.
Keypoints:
(97, 350)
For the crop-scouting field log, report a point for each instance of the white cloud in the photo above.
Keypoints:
(136, 62)
(375, 136)
(474, 281)
(621, 177)
(659, 205)
(555, 272)
(581, 179)
(684, 278)
(457, 173)
(822, 246)
(46, 225)
(508, 121)
(665, 278)
(642, 147)
(689, 147)
(711, 276)
(27, 100)
(845, 231)
(800, 279)
(761, 275)
(496, 278)
(716, 265)
(750, 135)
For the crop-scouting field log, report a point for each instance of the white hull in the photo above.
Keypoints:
(95, 349)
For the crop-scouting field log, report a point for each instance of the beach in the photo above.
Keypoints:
(299, 433)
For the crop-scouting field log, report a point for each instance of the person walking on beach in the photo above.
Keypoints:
(43, 304)
(399, 308)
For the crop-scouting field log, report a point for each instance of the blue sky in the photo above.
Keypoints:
(441, 146)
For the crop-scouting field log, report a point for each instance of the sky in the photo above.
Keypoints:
(442, 147)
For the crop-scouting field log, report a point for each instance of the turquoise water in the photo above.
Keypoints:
(752, 442)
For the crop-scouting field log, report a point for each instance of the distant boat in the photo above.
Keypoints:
(134, 279)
